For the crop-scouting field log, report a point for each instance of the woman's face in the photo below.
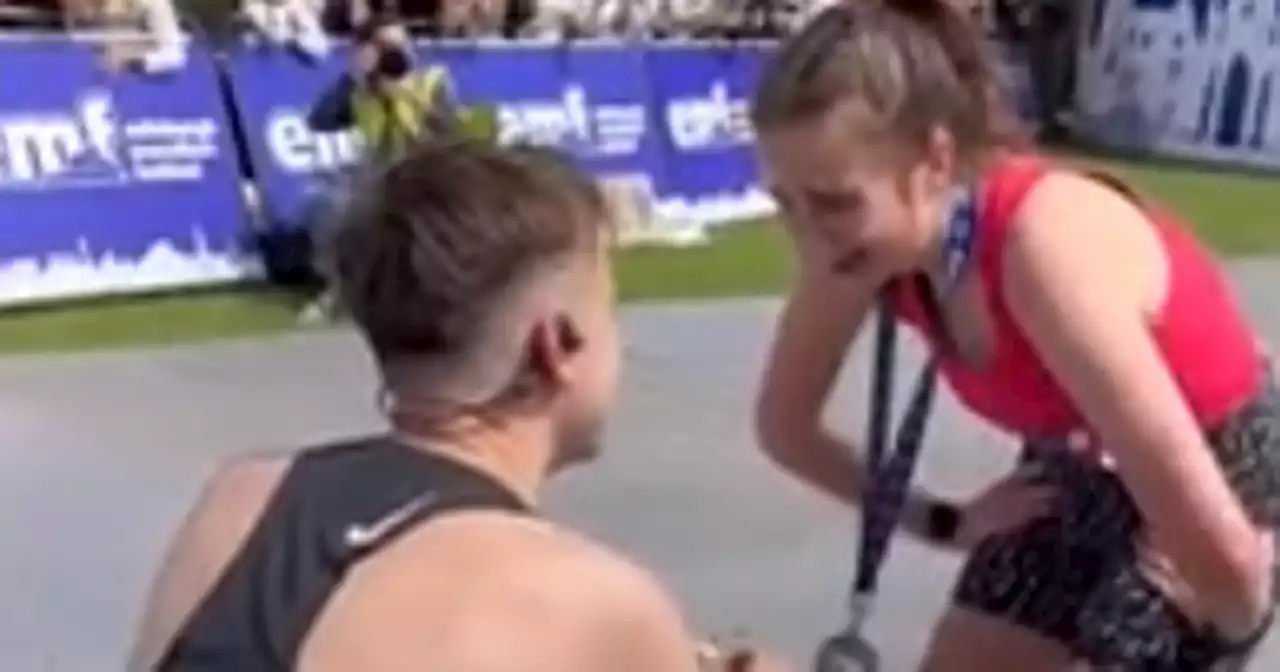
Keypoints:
(854, 208)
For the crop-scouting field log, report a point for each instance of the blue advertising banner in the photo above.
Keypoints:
(112, 182)
(589, 100)
(702, 96)
(608, 104)
(274, 89)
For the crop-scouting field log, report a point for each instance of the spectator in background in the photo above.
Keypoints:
(623, 18)
(628, 18)
(1051, 44)
(421, 17)
(385, 97)
(343, 17)
(287, 24)
(517, 19)
(473, 18)
(31, 15)
(138, 35)
(761, 19)
(557, 18)
(392, 104)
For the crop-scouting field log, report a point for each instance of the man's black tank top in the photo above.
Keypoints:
(336, 505)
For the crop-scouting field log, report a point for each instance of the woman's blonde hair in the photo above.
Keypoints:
(902, 67)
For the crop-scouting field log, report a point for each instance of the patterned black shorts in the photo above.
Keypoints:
(1073, 576)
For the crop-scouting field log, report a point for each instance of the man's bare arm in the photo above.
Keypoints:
(644, 631)
(649, 634)
(208, 539)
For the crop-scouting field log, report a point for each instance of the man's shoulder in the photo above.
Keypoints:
(553, 597)
(223, 516)
(236, 493)
(575, 555)
(533, 554)
(228, 508)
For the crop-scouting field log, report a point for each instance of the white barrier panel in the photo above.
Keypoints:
(1190, 78)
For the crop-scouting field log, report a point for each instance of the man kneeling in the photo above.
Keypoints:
(480, 279)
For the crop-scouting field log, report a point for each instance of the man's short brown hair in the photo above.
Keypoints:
(433, 243)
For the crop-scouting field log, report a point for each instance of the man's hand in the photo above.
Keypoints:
(743, 658)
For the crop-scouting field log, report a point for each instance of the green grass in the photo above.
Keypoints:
(150, 320)
(747, 259)
(1235, 213)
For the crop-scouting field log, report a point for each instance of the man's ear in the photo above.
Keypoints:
(553, 344)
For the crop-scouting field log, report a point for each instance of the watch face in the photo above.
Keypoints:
(393, 63)
(847, 652)
(944, 522)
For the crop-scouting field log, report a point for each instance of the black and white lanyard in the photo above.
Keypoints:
(888, 476)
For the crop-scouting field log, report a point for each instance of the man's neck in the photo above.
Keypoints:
(516, 453)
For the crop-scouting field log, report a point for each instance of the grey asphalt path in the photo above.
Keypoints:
(101, 454)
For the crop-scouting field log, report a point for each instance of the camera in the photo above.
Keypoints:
(393, 63)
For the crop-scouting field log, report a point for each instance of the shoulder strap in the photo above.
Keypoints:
(363, 539)
(1004, 191)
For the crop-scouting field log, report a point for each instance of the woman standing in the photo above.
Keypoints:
(1137, 532)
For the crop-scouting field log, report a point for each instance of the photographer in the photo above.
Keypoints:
(385, 97)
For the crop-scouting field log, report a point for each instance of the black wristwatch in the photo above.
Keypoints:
(942, 522)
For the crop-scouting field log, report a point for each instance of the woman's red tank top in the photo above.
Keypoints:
(1202, 333)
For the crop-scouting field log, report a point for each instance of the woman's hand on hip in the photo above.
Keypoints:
(1006, 506)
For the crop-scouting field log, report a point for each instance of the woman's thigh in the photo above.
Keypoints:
(969, 641)
(1019, 600)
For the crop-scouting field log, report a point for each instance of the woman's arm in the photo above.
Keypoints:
(1082, 271)
(814, 334)
(817, 327)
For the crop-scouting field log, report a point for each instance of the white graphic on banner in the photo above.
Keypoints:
(84, 272)
(299, 150)
(725, 207)
(715, 120)
(573, 123)
(90, 146)
(1186, 77)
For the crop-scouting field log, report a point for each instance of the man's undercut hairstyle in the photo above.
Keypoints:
(436, 242)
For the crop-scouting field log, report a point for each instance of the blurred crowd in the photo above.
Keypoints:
(148, 35)
(309, 23)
